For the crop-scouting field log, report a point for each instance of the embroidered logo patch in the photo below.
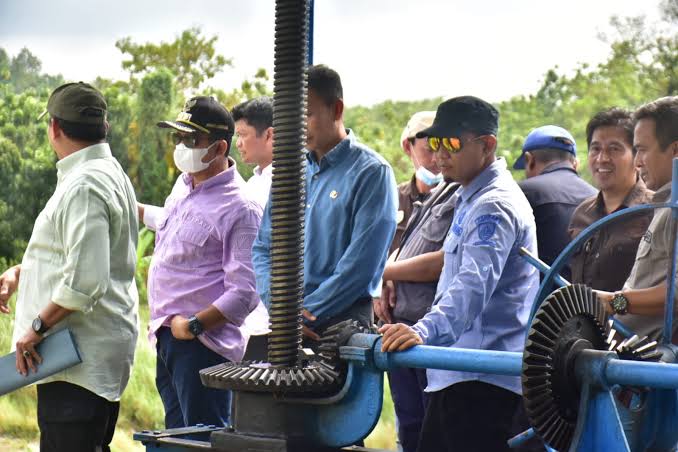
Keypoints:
(456, 226)
(647, 236)
(487, 225)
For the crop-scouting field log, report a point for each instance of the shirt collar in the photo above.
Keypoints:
(223, 178)
(337, 154)
(95, 151)
(268, 169)
(412, 191)
(483, 179)
(566, 165)
(632, 198)
(663, 194)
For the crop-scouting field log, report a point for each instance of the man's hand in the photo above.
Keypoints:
(605, 298)
(306, 331)
(180, 329)
(383, 307)
(9, 281)
(26, 355)
(398, 337)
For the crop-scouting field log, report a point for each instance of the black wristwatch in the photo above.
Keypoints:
(39, 326)
(619, 303)
(194, 326)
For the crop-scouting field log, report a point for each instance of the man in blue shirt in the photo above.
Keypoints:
(485, 290)
(351, 203)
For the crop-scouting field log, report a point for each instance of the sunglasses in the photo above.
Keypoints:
(191, 140)
(453, 145)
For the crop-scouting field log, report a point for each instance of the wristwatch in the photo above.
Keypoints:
(194, 326)
(39, 326)
(619, 303)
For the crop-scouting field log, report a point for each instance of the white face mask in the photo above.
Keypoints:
(189, 160)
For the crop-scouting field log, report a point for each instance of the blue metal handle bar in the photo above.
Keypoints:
(614, 371)
(545, 288)
(451, 358)
(671, 277)
(543, 268)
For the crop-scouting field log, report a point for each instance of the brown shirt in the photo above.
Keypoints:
(408, 194)
(651, 268)
(605, 260)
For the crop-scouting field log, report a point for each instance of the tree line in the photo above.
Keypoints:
(642, 66)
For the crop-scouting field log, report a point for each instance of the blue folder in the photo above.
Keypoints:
(58, 352)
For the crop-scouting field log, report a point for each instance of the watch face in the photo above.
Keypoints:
(619, 303)
(37, 324)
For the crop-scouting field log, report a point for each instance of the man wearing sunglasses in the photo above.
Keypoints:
(201, 284)
(485, 290)
(553, 187)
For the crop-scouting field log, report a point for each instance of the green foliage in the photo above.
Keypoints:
(191, 57)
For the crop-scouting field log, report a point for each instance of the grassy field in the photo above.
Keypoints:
(140, 407)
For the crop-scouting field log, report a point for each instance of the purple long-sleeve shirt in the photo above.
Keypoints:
(203, 257)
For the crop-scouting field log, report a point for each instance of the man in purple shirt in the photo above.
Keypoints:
(201, 283)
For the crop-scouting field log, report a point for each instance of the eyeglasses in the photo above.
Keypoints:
(191, 140)
(453, 145)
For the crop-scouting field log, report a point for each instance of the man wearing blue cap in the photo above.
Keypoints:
(552, 186)
(485, 289)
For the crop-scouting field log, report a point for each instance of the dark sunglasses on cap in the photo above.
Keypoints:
(191, 140)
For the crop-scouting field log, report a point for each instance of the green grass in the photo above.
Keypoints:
(140, 407)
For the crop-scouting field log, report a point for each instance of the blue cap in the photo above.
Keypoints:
(547, 137)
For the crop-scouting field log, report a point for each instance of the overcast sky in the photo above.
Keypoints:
(383, 49)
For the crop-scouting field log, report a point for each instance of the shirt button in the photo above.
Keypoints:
(315, 176)
(308, 206)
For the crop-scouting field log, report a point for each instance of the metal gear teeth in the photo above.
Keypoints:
(634, 348)
(316, 378)
(549, 408)
(335, 337)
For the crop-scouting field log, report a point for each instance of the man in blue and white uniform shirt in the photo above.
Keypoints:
(351, 203)
(485, 290)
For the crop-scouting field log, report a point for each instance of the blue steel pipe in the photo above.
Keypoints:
(671, 277)
(639, 373)
(449, 358)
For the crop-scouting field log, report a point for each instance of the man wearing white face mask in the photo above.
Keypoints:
(201, 284)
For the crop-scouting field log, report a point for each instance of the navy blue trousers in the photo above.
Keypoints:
(187, 402)
(410, 401)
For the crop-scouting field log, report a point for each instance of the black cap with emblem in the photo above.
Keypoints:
(203, 114)
(79, 103)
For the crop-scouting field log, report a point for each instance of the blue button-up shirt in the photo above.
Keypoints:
(351, 203)
(486, 288)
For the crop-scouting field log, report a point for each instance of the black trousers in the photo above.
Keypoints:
(73, 419)
(472, 416)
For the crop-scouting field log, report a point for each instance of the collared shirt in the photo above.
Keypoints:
(653, 261)
(259, 185)
(605, 260)
(408, 194)
(203, 257)
(425, 232)
(486, 288)
(553, 195)
(350, 219)
(81, 256)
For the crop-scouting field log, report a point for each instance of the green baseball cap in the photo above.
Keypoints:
(77, 102)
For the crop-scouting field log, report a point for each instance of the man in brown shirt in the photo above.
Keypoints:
(426, 176)
(640, 304)
(604, 261)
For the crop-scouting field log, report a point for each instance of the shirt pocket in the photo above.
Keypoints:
(193, 234)
(437, 225)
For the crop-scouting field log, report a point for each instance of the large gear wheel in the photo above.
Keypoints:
(571, 319)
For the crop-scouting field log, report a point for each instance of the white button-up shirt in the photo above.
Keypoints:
(81, 256)
(259, 185)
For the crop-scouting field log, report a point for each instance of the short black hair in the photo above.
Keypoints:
(326, 83)
(664, 112)
(89, 133)
(258, 113)
(612, 117)
(548, 155)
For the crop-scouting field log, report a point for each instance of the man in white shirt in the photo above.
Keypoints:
(78, 273)
(254, 129)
